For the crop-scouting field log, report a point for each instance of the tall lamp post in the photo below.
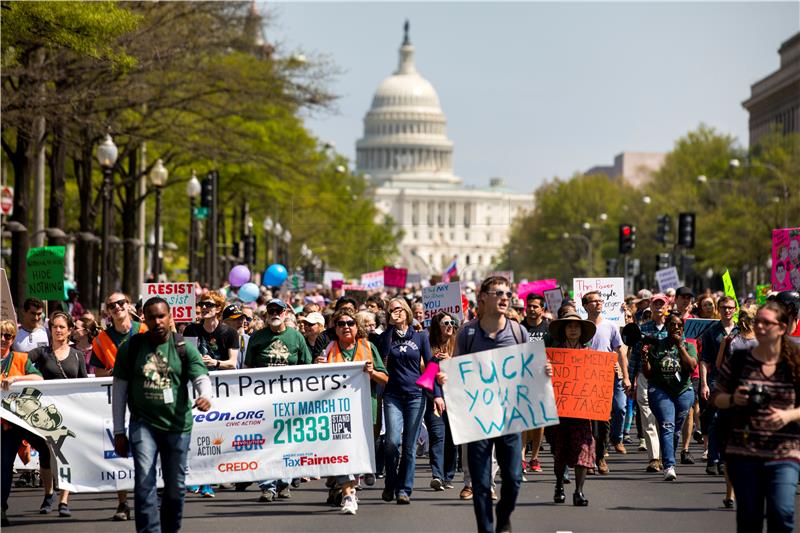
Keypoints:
(107, 157)
(193, 190)
(267, 226)
(158, 178)
(277, 230)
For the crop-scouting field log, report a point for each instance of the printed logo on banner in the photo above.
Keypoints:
(340, 427)
(27, 405)
(209, 445)
(239, 418)
(312, 459)
(238, 466)
(108, 441)
(253, 441)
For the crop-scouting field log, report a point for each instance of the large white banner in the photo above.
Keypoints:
(281, 422)
(497, 392)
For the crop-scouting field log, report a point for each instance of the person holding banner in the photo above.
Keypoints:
(352, 345)
(537, 326)
(150, 378)
(574, 443)
(668, 368)
(15, 367)
(405, 350)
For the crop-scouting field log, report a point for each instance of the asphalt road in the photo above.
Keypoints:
(628, 499)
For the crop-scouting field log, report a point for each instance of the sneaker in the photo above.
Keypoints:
(465, 494)
(387, 495)
(448, 485)
(5, 521)
(194, 489)
(122, 513)
(369, 479)
(524, 478)
(620, 448)
(602, 467)
(494, 494)
(207, 491)
(654, 465)
(687, 458)
(285, 493)
(349, 505)
(642, 445)
(721, 469)
(403, 500)
(711, 469)
(535, 465)
(705, 455)
(670, 475)
(380, 475)
(698, 436)
(267, 496)
(47, 504)
(437, 485)
(627, 439)
(63, 510)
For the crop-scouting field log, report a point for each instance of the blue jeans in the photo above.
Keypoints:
(754, 481)
(442, 450)
(670, 414)
(146, 443)
(508, 450)
(618, 408)
(403, 420)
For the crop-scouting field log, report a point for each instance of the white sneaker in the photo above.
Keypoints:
(642, 445)
(705, 455)
(349, 505)
(669, 474)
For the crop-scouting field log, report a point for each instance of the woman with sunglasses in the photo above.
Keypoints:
(757, 394)
(352, 345)
(405, 351)
(218, 345)
(82, 337)
(668, 367)
(57, 361)
(443, 453)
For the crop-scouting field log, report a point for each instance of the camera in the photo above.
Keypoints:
(758, 397)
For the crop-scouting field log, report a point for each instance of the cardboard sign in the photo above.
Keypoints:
(498, 392)
(727, 284)
(583, 382)
(180, 297)
(372, 280)
(443, 297)
(553, 298)
(667, 278)
(329, 276)
(612, 290)
(45, 267)
(337, 284)
(294, 282)
(394, 277)
(538, 287)
(7, 311)
(694, 328)
(786, 259)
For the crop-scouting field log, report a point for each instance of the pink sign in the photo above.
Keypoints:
(538, 287)
(394, 277)
(786, 259)
(337, 284)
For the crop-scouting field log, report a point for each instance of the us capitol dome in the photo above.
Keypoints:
(408, 159)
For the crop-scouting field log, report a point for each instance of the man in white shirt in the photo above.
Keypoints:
(31, 334)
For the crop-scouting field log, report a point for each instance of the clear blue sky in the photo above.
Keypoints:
(537, 90)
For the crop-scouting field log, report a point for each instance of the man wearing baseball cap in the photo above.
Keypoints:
(683, 302)
(642, 302)
(311, 326)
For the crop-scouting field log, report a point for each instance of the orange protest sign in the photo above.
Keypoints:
(583, 382)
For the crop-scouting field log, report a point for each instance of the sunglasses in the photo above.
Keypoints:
(207, 305)
(8, 336)
(118, 303)
(274, 310)
(500, 294)
(345, 323)
(396, 310)
(449, 323)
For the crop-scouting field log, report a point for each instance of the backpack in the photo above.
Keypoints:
(520, 337)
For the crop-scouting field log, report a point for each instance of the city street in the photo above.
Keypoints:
(629, 499)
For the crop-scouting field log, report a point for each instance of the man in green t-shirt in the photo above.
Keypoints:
(276, 345)
(150, 377)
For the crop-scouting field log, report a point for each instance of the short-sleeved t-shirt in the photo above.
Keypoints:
(537, 332)
(215, 344)
(159, 368)
(25, 341)
(471, 338)
(267, 348)
(665, 367)
(607, 337)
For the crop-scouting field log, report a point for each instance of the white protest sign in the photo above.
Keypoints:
(279, 422)
(442, 297)
(667, 278)
(179, 296)
(498, 392)
(553, 298)
(612, 290)
(329, 276)
(372, 280)
(7, 311)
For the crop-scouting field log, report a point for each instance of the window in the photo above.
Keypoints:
(467, 260)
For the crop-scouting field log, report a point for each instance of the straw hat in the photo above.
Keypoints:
(557, 328)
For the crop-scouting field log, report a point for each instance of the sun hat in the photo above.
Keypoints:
(557, 327)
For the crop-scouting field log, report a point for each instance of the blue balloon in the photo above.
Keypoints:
(275, 275)
(248, 292)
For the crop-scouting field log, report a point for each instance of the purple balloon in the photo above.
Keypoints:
(239, 275)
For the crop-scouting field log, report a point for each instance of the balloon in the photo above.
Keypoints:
(248, 292)
(275, 275)
(239, 275)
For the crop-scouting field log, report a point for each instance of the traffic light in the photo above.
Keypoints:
(634, 268)
(662, 261)
(686, 230)
(611, 267)
(664, 227)
(627, 238)
(207, 191)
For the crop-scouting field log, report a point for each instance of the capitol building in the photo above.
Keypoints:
(408, 160)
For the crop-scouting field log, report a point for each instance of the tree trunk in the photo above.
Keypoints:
(86, 251)
(19, 239)
(58, 180)
(130, 217)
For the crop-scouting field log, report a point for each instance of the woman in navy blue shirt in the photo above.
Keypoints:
(404, 351)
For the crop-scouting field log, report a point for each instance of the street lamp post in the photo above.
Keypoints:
(193, 190)
(287, 237)
(158, 178)
(107, 157)
(277, 232)
(267, 226)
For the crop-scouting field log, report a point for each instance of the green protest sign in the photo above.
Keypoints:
(762, 291)
(727, 283)
(46, 273)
